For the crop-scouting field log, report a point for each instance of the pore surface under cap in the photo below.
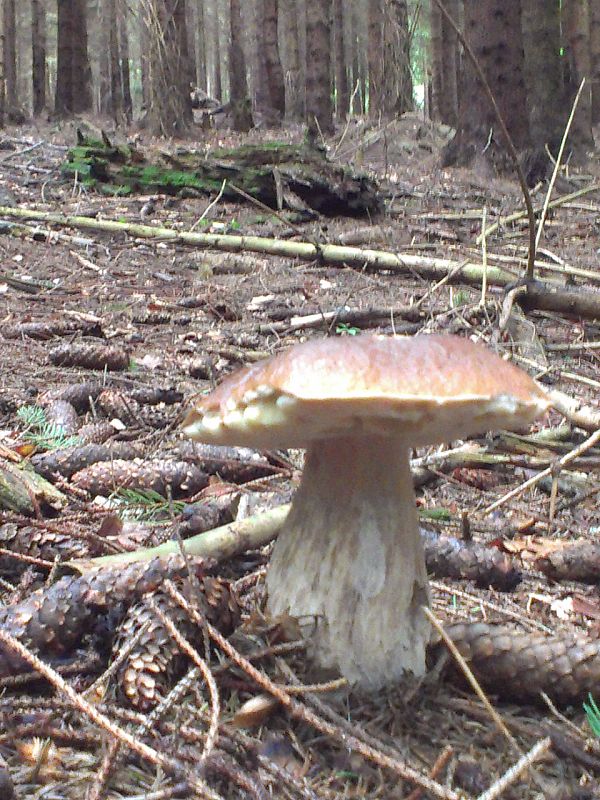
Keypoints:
(433, 388)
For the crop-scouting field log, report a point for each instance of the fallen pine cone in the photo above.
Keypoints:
(53, 620)
(134, 413)
(578, 561)
(80, 395)
(70, 460)
(447, 557)
(37, 541)
(159, 475)
(518, 665)
(156, 662)
(52, 328)
(90, 356)
(62, 415)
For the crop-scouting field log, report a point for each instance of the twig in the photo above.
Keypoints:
(299, 711)
(202, 666)
(468, 673)
(438, 765)
(511, 775)
(169, 763)
(557, 164)
(562, 462)
(484, 260)
(209, 206)
(223, 542)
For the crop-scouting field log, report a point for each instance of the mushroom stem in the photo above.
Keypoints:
(350, 560)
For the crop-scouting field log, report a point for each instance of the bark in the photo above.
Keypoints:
(359, 59)
(436, 61)
(191, 30)
(104, 91)
(396, 88)
(217, 87)
(498, 48)
(9, 26)
(238, 84)
(123, 34)
(38, 55)
(375, 58)
(342, 91)
(595, 59)
(291, 16)
(579, 66)
(545, 97)
(450, 66)
(170, 108)
(200, 40)
(73, 74)
(273, 69)
(143, 22)
(116, 84)
(319, 106)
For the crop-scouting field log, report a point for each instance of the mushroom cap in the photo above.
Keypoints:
(427, 388)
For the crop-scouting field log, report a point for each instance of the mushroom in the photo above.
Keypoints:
(348, 561)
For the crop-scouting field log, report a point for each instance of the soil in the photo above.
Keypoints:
(139, 292)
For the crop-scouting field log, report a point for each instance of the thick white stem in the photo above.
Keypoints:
(349, 558)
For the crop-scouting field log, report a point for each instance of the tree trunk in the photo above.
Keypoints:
(9, 26)
(595, 58)
(577, 49)
(450, 65)
(200, 51)
(375, 57)
(123, 34)
(342, 91)
(290, 14)
(499, 50)
(73, 74)
(273, 69)
(143, 23)
(436, 61)
(38, 55)
(545, 95)
(238, 84)
(359, 59)
(170, 109)
(396, 87)
(217, 88)
(116, 85)
(104, 92)
(191, 27)
(319, 106)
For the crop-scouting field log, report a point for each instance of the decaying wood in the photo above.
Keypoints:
(545, 295)
(277, 174)
(24, 491)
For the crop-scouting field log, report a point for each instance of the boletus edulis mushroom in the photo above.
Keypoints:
(349, 561)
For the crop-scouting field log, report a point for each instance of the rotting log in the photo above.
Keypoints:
(277, 174)
(582, 302)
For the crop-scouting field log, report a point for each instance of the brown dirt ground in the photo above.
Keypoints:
(122, 280)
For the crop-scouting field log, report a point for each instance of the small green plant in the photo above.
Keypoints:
(42, 434)
(459, 298)
(592, 713)
(344, 329)
(146, 504)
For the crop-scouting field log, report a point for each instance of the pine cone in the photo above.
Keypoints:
(518, 664)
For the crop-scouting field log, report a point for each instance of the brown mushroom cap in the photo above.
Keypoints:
(435, 388)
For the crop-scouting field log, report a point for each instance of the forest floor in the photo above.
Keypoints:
(185, 318)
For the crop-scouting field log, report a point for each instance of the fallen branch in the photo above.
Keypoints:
(545, 296)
